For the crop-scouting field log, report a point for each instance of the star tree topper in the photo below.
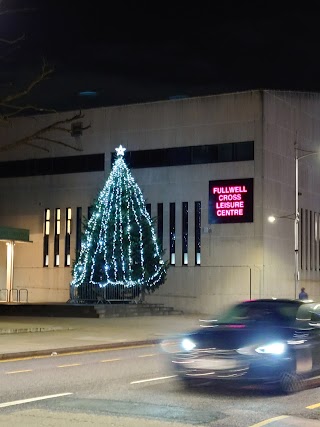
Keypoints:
(120, 151)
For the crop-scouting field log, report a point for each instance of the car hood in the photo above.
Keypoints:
(238, 335)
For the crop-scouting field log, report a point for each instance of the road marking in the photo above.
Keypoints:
(270, 420)
(70, 365)
(316, 405)
(152, 379)
(109, 360)
(34, 399)
(19, 372)
(147, 355)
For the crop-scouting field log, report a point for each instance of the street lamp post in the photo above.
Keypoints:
(306, 153)
(296, 224)
(296, 216)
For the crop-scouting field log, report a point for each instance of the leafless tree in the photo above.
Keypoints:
(12, 100)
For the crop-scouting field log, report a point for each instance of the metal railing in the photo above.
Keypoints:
(93, 294)
(23, 291)
(4, 292)
(14, 295)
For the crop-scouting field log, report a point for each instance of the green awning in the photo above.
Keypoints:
(15, 234)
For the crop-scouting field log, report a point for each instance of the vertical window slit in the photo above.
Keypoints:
(197, 232)
(172, 236)
(57, 238)
(46, 235)
(79, 231)
(184, 233)
(160, 224)
(67, 256)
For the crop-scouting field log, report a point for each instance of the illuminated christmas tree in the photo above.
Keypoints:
(119, 249)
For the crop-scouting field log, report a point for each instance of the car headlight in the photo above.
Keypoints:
(276, 348)
(187, 344)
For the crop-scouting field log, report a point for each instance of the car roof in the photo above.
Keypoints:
(313, 305)
(277, 300)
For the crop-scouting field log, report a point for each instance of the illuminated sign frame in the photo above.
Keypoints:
(230, 201)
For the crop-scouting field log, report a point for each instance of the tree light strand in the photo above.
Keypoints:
(119, 245)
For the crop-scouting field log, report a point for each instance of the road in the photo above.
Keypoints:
(135, 387)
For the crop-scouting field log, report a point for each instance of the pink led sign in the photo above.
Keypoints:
(231, 201)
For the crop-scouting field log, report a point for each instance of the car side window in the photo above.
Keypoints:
(315, 319)
(288, 313)
(304, 317)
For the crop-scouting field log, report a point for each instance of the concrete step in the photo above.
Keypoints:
(127, 310)
(85, 310)
(48, 310)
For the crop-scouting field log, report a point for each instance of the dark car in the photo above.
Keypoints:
(259, 341)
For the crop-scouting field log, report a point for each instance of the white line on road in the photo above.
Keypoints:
(147, 355)
(34, 399)
(70, 365)
(109, 360)
(152, 379)
(18, 372)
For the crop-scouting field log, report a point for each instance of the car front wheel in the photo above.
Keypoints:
(291, 383)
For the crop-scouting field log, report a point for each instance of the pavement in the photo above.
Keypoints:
(32, 336)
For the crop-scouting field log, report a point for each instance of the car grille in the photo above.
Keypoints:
(211, 363)
(211, 352)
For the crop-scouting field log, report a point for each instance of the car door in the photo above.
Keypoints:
(307, 338)
(315, 338)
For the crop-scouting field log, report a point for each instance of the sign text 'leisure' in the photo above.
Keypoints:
(231, 201)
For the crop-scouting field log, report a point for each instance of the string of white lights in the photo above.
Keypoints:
(113, 248)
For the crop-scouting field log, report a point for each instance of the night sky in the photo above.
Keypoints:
(130, 52)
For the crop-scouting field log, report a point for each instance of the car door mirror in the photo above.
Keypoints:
(315, 320)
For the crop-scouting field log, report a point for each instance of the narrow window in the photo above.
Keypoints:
(46, 237)
(148, 207)
(160, 224)
(67, 259)
(184, 233)
(315, 241)
(79, 231)
(318, 243)
(311, 240)
(57, 237)
(90, 210)
(306, 230)
(301, 248)
(197, 232)
(172, 236)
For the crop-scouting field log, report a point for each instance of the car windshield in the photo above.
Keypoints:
(264, 312)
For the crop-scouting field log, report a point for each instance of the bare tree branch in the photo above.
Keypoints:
(7, 41)
(41, 135)
(46, 71)
(60, 143)
(7, 107)
(14, 11)
(18, 109)
(38, 146)
(11, 104)
(70, 131)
